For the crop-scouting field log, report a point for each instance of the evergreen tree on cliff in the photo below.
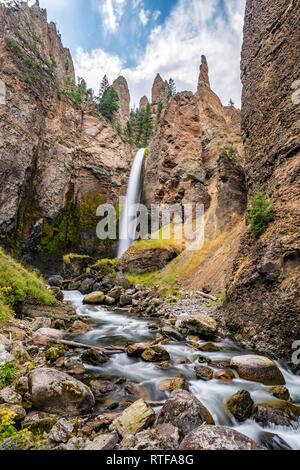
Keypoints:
(172, 87)
(104, 86)
(109, 104)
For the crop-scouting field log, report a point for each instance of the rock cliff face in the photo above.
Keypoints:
(121, 87)
(263, 302)
(160, 91)
(59, 160)
(197, 156)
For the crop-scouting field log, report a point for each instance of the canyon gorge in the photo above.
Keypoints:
(164, 347)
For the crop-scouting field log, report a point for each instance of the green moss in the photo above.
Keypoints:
(142, 245)
(107, 266)
(7, 374)
(62, 233)
(18, 284)
(214, 304)
(69, 258)
(87, 210)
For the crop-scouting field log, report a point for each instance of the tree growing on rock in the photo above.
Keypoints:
(261, 212)
(172, 87)
(104, 86)
(109, 104)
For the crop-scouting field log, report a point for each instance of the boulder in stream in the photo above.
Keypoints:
(204, 373)
(217, 438)
(277, 412)
(54, 391)
(177, 383)
(240, 405)
(95, 298)
(155, 354)
(257, 369)
(184, 411)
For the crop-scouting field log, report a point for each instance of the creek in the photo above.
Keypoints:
(119, 327)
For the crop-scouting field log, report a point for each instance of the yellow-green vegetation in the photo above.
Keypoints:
(87, 210)
(69, 258)
(22, 439)
(261, 212)
(108, 265)
(172, 245)
(18, 284)
(7, 374)
(214, 304)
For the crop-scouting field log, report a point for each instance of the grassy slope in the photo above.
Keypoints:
(18, 284)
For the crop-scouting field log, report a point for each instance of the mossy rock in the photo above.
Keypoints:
(155, 354)
(75, 265)
(277, 412)
(240, 405)
(134, 419)
(169, 385)
(93, 357)
(39, 422)
(53, 353)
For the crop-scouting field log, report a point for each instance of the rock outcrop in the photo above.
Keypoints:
(196, 156)
(263, 304)
(121, 87)
(143, 102)
(160, 90)
(59, 158)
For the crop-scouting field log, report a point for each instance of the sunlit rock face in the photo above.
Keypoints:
(121, 87)
(58, 161)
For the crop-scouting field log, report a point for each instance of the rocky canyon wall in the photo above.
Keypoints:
(196, 156)
(262, 309)
(58, 158)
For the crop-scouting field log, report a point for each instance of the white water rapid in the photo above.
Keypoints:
(133, 197)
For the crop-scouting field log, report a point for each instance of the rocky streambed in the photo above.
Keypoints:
(107, 378)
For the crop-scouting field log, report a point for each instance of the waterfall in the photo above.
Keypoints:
(133, 196)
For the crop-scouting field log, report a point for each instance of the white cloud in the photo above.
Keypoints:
(144, 16)
(111, 12)
(174, 49)
(92, 66)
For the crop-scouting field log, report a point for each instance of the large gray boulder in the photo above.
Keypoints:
(56, 392)
(217, 438)
(184, 411)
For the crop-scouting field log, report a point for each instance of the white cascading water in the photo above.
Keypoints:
(133, 197)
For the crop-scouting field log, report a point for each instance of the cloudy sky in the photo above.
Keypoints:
(138, 38)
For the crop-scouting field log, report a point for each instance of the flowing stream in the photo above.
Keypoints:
(133, 197)
(119, 327)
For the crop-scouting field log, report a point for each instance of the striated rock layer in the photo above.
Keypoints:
(263, 303)
(58, 159)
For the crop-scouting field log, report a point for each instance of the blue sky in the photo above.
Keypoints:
(138, 38)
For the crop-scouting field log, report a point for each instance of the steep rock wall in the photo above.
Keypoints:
(58, 158)
(262, 309)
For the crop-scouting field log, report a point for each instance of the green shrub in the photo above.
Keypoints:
(261, 212)
(109, 104)
(12, 45)
(7, 374)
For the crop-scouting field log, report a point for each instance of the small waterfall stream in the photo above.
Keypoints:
(133, 197)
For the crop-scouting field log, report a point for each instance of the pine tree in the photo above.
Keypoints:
(231, 103)
(147, 127)
(104, 86)
(109, 104)
(160, 107)
(172, 87)
(140, 122)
